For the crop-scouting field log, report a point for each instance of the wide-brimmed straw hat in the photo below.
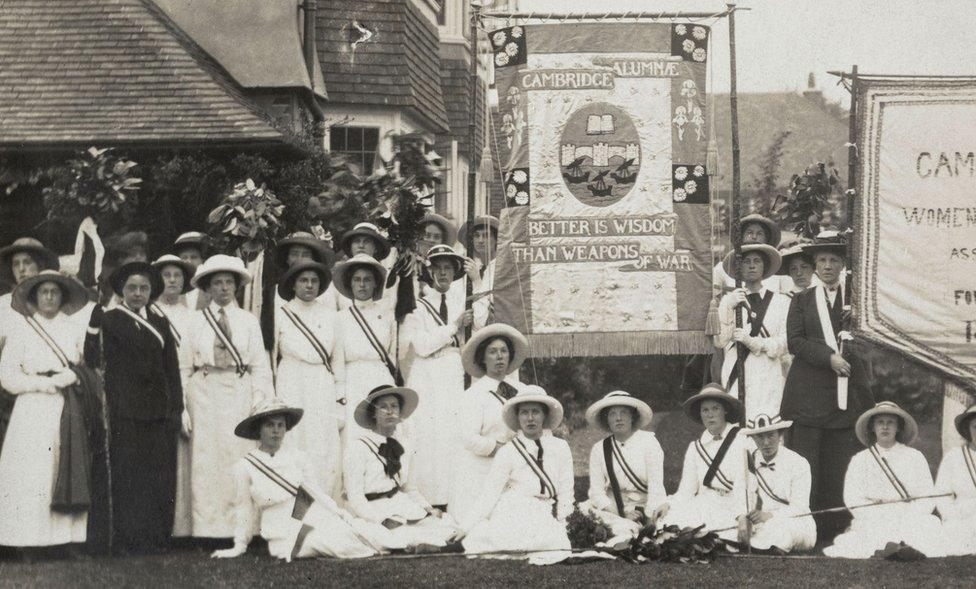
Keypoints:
(408, 403)
(477, 223)
(444, 252)
(962, 421)
(773, 259)
(286, 287)
(45, 258)
(342, 273)
(170, 260)
(714, 392)
(221, 263)
(772, 229)
(520, 344)
(368, 230)
(790, 253)
(121, 274)
(73, 294)
(906, 433)
(250, 427)
(194, 239)
(617, 399)
(447, 226)
(532, 394)
(827, 241)
(321, 252)
(764, 423)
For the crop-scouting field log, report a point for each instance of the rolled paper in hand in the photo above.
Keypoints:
(842, 393)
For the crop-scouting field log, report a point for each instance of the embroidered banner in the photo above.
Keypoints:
(604, 244)
(915, 226)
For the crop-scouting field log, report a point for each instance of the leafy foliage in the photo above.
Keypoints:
(585, 530)
(248, 219)
(804, 208)
(673, 544)
(767, 183)
(96, 184)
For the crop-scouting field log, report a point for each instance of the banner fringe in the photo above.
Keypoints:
(647, 343)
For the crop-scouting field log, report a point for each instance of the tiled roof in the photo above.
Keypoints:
(399, 66)
(113, 72)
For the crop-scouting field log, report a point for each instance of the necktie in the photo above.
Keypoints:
(222, 357)
(506, 391)
(391, 450)
(443, 309)
(754, 301)
(538, 458)
(769, 465)
(716, 438)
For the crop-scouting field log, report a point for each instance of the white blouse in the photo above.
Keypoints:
(787, 476)
(955, 476)
(355, 346)
(364, 473)
(197, 349)
(694, 468)
(322, 322)
(645, 457)
(866, 482)
(481, 426)
(27, 356)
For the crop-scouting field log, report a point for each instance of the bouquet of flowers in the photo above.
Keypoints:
(673, 544)
(585, 530)
(247, 219)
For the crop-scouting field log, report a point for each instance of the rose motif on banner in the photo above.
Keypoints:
(689, 184)
(690, 43)
(508, 46)
(517, 188)
(600, 154)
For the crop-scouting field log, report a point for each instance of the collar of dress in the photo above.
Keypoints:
(706, 436)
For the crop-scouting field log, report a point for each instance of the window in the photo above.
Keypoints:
(442, 13)
(357, 144)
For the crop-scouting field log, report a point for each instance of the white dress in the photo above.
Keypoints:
(364, 474)
(179, 316)
(264, 505)
(716, 506)
(784, 478)
(764, 365)
(957, 474)
(874, 527)
(641, 483)
(438, 377)
(479, 431)
(31, 450)
(364, 368)
(304, 381)
(218, 399)
(515, 510)
(483, 306)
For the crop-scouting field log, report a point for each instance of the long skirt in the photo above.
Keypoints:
(218, 401)
(312, 388)
(622, 528)
(321, 533)
(518, 522)
(28, 465)
(142, 455)
(786, 533)
(361, 378)
(710, 508)
(183, 512)
(470, 472)
(874, 527)
(960, 532)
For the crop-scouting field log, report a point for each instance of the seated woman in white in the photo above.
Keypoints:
(779, 490)
(376, 472)
(888, 471)
(711, 491)
(529, 491)
(957, 474)
(276, 498)
(626, 467)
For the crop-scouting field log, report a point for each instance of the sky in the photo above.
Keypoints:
(779, 42)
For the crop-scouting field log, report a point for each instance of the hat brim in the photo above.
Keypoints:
(476, 223)
(383, 245)
(242, 277)
(458, 267)
(188, 271)
(906, 434)
(76, 291)
(782, 425)
(286, 287)
(784, 268)
(250, 427)
(41, 254)
(323, 254)
(121, 274)
(775, 233)
(553, 418)
(773, 259)
(834, 248)
(733, 407)
(962, 422)
(449, 229)
(496, 330)
(343, 269)
(644, 412)
(409, 401)
(201, 244)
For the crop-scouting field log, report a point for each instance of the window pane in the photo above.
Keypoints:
(337, 138)
(355, 139)
(371, 138)
(368, 159)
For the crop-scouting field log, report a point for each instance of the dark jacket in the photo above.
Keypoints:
(810, 394)
(142, 377)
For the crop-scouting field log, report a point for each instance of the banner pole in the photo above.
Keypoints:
(736, 231)
(472, 173)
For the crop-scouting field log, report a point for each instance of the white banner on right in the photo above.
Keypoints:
(915, 222)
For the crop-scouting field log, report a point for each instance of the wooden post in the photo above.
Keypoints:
(472, 169)
(852, 167)
(735, 234)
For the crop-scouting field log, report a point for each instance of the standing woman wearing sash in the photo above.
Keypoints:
(626, 467)
(710, 492)
(492, 356)
(888, 470)
(479, 238)
(144, 395)
(311, 372)
(227, 371)
(528, 494)
(957, 474)
(35, 367)
(366, 335)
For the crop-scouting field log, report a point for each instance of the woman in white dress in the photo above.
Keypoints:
(172, 304)
(376, 471)
(957, 474)
(33, 370)
(479, 239)
(888, 470)
(528, 494)
(626, 467)
(227, 371)
(492, 356)
(311, 371)
(366, 334)
(276, 497)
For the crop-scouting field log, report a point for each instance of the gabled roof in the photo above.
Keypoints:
(399, 66)
(83, 72)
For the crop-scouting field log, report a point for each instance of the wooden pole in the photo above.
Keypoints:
(736, 231)
(472, 168)
(852, 167)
